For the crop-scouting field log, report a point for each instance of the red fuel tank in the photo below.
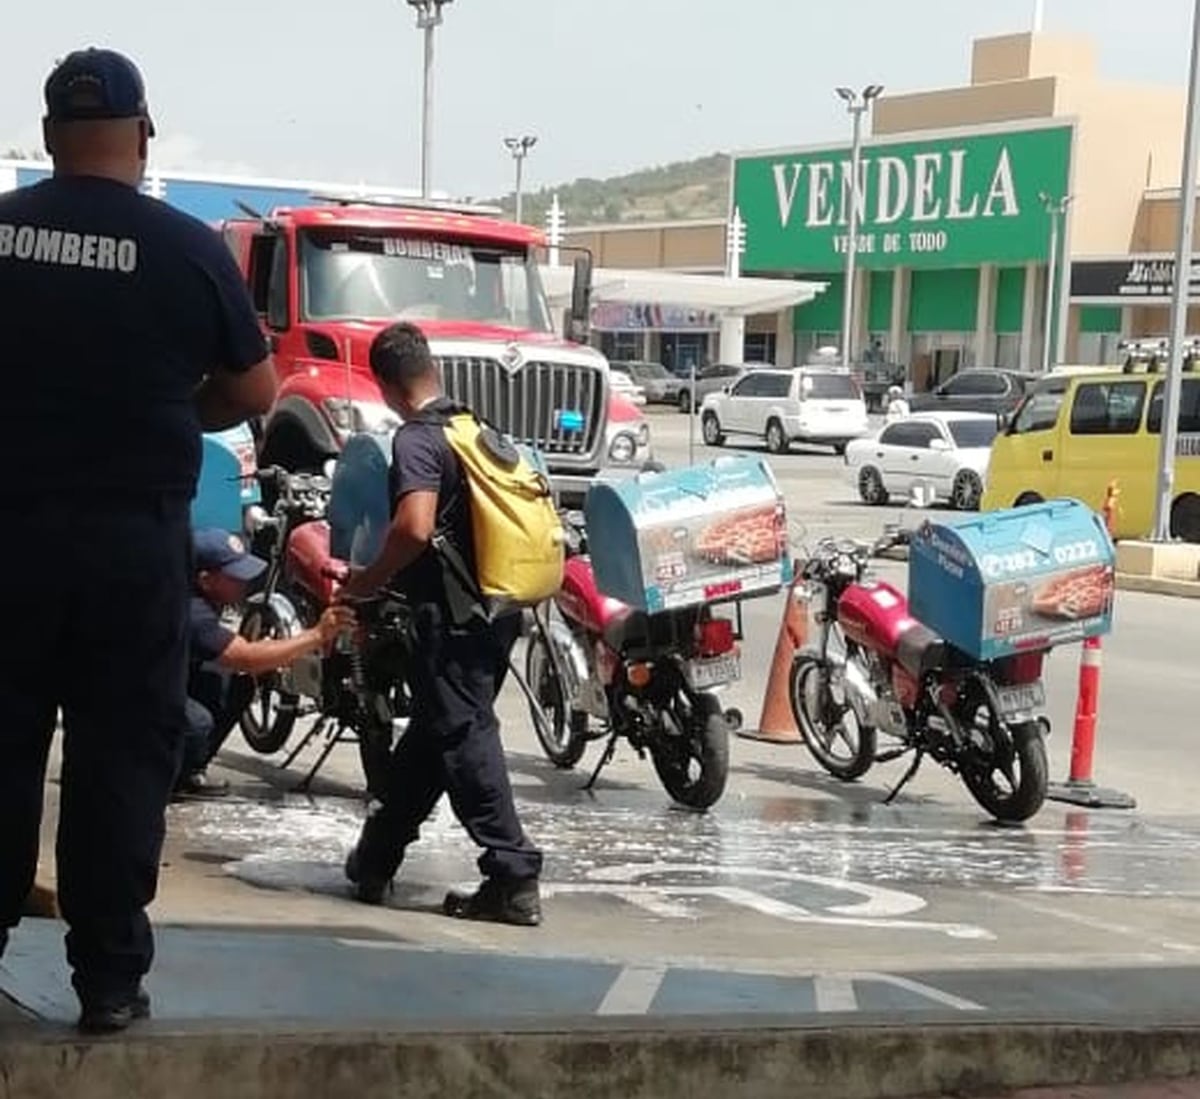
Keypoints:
(581, 601)
(874, 615)
(308, 561)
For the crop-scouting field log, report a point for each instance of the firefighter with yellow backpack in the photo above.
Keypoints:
(474, 536)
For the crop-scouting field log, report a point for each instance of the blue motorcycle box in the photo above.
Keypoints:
(227, 484)
(708, 533)
(1023, 578)
(360, 502)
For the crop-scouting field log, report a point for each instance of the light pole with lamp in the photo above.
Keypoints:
(519, 147)
(1180, 292)
(429, 17)
(1056, 208)
(857, 105)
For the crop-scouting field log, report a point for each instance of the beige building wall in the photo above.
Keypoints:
(1128, 137)
(675, 246)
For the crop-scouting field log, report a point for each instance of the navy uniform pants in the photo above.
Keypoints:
(94, 596)
(452, 746)
(216, 700)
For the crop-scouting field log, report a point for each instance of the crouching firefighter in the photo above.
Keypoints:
(472, 523)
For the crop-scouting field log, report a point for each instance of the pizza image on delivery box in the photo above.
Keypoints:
(1080, 593)
(753, 536)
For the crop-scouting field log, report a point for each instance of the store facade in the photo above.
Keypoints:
(955, 232)
(953, 242)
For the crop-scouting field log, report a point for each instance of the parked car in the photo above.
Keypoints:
(624, 384)
(711, 378)
(658, 383)
(948, 451)
(785, 406)
(980, 389)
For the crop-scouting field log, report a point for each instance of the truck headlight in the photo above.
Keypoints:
(367, 416)
(623, 448)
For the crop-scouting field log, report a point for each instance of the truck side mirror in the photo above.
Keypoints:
(580, 317)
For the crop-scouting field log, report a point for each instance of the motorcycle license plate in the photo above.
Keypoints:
(1025, 699)
(713, 671)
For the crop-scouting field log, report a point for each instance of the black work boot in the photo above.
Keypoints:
(112, 1013)
(499, 900)
(368, 888)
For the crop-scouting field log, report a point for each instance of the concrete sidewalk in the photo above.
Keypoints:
(266, 1013)
(1160, 1089)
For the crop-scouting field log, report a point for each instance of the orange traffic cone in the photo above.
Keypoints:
(777, 724)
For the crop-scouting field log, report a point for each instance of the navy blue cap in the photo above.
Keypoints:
(96, 84)
(216, 550)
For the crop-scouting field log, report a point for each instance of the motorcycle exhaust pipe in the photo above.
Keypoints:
(862, 696)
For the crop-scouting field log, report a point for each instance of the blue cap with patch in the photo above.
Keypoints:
(93, 84)
(215, 550)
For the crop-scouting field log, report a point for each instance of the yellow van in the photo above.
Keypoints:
(1076, 432)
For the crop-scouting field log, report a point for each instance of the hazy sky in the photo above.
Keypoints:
(332, 90)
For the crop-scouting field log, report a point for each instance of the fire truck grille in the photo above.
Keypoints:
(551, 406)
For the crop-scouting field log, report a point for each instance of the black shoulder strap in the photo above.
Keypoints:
(439, 412)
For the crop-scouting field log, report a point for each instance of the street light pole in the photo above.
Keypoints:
(857, 106)
(429, 17)
(519, 147)
(1056, 208)
(1179, 298)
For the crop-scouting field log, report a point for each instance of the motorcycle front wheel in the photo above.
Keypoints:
(693, 762)
(827, 722)
(1007, 776)
(561, 731)
(270, 715)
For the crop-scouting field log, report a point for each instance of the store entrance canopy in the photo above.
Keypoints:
(742, 297)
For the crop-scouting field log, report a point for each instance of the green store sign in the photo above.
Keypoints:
(944, 202)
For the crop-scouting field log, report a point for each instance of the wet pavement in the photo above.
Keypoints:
(795, 894)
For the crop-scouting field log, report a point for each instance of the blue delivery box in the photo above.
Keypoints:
(227, 485)
(360, 502)
(1013, 580)
(708, 533)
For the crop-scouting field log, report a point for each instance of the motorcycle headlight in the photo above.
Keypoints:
(255, 519)
(623, 448)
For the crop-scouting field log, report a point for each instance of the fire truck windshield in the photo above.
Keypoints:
(350, 275)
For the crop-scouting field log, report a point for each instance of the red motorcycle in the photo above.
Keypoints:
(875, 669)
(357, 691)
(596, 667)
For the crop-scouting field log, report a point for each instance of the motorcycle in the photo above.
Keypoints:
(596, 667)
(357, 690)
(874, 669)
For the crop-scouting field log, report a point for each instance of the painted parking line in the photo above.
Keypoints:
(634, 990)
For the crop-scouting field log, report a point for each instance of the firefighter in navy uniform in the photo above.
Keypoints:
(127, 330)
(452, 744)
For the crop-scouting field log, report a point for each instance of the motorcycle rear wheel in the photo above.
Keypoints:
(693, 764)
(821, 717)
(561, 731)
(1008, 797)
(270, 715)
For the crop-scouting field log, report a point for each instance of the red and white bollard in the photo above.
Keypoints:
(1080, 789)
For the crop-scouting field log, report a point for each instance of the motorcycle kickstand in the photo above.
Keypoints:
(916, 763)
(610, 749)
(317, 730)
(331, 742)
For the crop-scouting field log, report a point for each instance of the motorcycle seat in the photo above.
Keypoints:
(626, 627)
(921, 651)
